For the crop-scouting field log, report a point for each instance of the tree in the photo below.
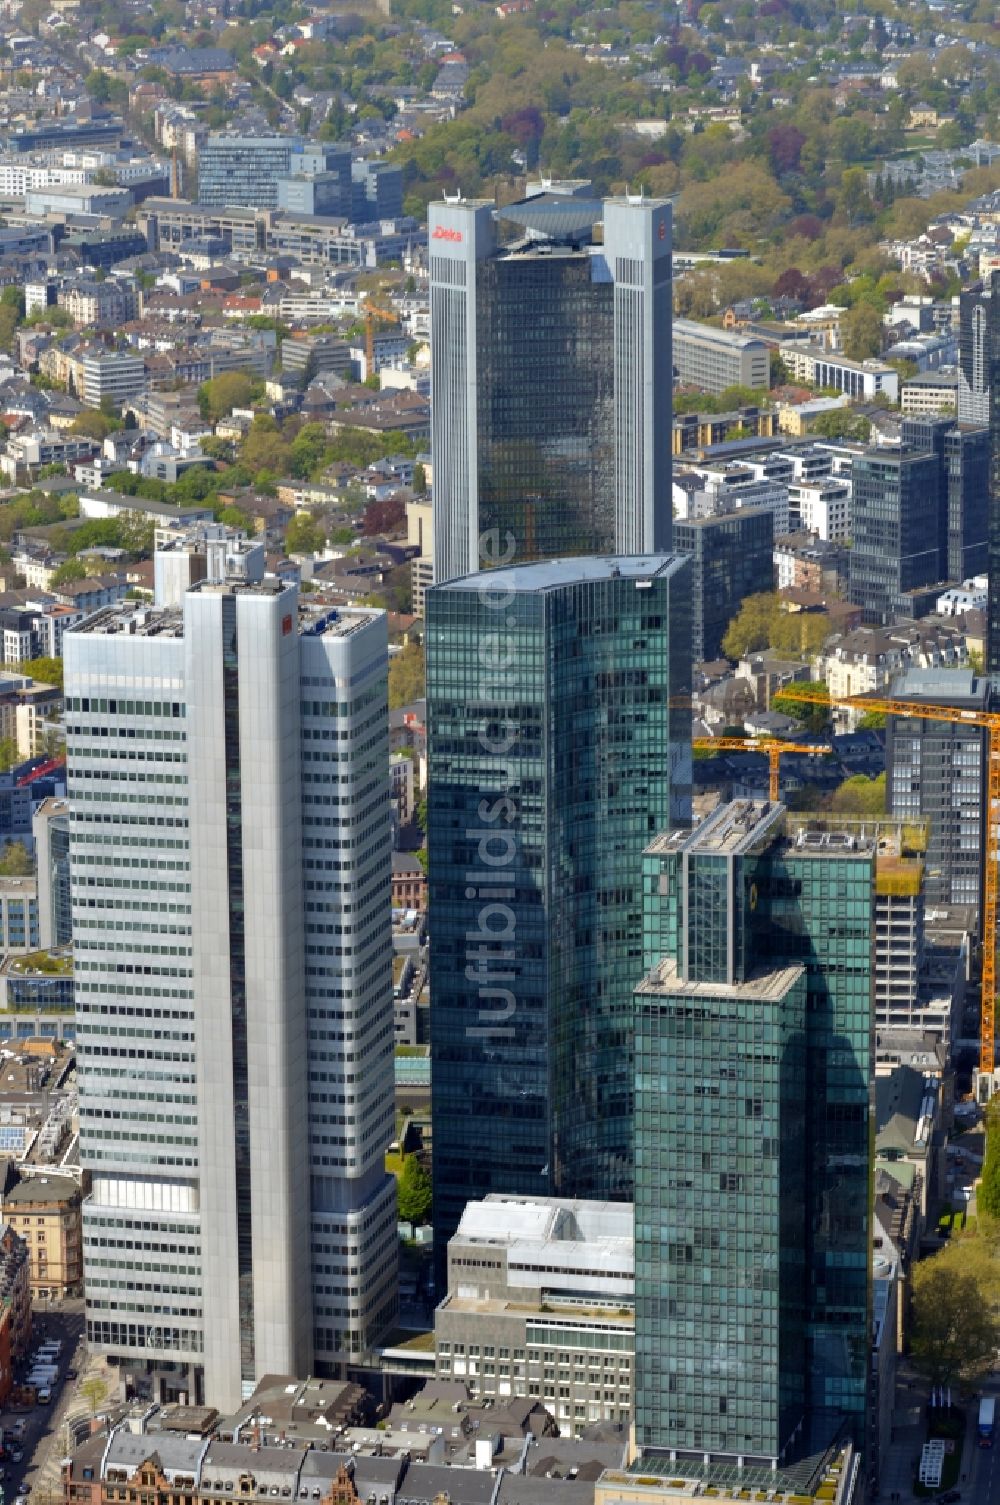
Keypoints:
(413, 1189)
(406, 676)
(68, 573)
(9, 754)
(94, 425)
(385, 516)
(420, 479)
(955, 1332)
(988, 1193)
(859, 795)
(861, 332)
(217, 397)
(94, 1390)
(304, 535)
(15, 859)
(841, 423)
(47, 671)
(750, 629)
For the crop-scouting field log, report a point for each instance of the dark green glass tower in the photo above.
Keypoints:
(558, 718)
(754, 1059)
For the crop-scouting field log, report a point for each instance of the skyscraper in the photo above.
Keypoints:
(895, 522)
(230, 888)
(754, 1062)
(551, 379)
(979, 402)
(558, 742)
(962, 452)
(732, 557)
(936, 771)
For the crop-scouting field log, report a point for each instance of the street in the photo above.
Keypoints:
(42, 1424)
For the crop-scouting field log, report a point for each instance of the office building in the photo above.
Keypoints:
(936, 772)
(244, 170)
(976, 344)
(714, 359)
(753, 1040)
(550, 1285)
(732, 557)
(824, 368)
(318, 180)
(229, 798)
(896, 525)
(962, 452)
(979, 401)
(50, 828)
(558, 742)
(551, 379)
(376, 191)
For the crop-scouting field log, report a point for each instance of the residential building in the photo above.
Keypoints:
(108, 377)
(551, 379)
(549, 1284)
(29, 452)
(754, 1025)
(936, 772)
(99, 305)
(243, 171)
(896, 529)
(714, 359)
(250, 1129)
(558, 737)
(869, 659)
(409, 881)
(44, 1210)
(731, 558)
(822, 508)
(15, 1307)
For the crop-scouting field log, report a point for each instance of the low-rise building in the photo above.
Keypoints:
(15, 1307)
(541, 1303)
(713, 359)
(45, 1211)
(858, 379)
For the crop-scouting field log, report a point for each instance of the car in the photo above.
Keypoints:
(71, 1374)
(16, 1455)
(950, 1498)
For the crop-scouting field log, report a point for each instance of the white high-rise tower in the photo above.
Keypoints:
(228, 781)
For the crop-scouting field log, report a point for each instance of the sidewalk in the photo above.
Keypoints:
(70, 1423)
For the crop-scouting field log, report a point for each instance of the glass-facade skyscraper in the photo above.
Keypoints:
(558, 719)
(551, 380)
(754, 1062)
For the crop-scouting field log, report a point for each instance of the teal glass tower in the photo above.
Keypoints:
(558, 718)
(754, 1063)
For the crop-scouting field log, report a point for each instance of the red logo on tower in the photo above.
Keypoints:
(442, 232)
(286, 626)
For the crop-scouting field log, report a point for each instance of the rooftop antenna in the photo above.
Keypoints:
(634, 198)
(455, 198)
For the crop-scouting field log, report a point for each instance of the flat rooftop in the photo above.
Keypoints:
(553, 574)
(316, 618)
(764, 985)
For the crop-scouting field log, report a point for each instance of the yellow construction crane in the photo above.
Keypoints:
(373, 315)
(771, 747)
(990, 722)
